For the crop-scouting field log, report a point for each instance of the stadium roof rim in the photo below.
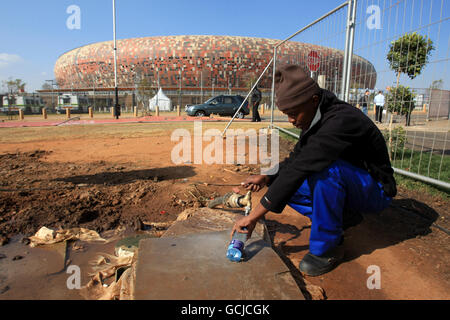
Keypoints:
(171, 36)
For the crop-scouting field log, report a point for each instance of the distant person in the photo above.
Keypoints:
(364, 102)
(255, 100)
(117, 111)
(379, 105)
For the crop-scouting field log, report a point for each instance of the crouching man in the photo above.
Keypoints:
(338, 169)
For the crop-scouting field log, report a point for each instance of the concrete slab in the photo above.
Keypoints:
(197, 220)
(194, 266)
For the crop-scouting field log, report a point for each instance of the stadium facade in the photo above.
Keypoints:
(200, 61)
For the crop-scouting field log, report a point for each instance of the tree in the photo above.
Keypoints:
(401, 101)
(14, 86)
(437, 84)
(144, 92)
(408, 54)
(47, 86)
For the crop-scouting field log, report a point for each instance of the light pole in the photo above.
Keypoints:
(201, 86)
(335, 79)
(116, 104)
(157, 90)
(93, 87)
(11, 100)
(179, 93)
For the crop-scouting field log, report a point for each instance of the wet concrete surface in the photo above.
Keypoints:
(189, 262)
(41, 273)
(195, 267)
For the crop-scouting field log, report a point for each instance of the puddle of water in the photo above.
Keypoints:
(41, 274)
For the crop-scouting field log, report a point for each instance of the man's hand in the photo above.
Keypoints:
(249, 221)
(255, 183)
(245, 222)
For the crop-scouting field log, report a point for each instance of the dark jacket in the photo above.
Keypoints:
(256, 96)
(364, 101)
(343, 132)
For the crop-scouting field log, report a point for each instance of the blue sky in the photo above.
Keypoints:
(34, 33)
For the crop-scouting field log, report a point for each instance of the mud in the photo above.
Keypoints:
(99, 195)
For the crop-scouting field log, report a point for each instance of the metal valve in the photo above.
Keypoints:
(234, 200)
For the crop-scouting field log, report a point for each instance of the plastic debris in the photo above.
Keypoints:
(106, 266)
(48, 236)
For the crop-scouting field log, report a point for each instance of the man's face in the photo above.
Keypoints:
(302, 116)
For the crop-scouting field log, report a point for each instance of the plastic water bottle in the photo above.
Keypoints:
(236, 247)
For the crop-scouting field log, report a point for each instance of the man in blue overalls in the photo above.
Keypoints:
(338, 169)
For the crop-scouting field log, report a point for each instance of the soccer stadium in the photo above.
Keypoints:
(194, 67)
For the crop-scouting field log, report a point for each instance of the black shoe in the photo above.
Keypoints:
(313, 265)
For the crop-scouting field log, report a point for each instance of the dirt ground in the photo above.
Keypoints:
(101, 183)
(40, 188)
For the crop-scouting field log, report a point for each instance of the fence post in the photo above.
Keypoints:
(20, 114)
(44, 113)
(68, 113)
(135, 111)
(273, 86)
(157, 111)
(348, 53)
(178, 110)
(91, 113)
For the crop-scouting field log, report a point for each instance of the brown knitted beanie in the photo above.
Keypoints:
(293, 87)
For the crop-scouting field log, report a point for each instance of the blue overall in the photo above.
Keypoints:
(339, 187)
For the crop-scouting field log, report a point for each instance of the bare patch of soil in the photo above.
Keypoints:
(98, 195)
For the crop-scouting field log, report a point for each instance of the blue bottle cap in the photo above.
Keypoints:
(234, 254)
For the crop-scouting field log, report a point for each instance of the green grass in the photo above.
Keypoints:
(431, 165)
(426, 164)
(288, 136)
(411, 184)
(416, 162)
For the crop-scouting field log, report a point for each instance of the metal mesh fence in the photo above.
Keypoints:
(389, 58)
(408, 44)
(319, 49)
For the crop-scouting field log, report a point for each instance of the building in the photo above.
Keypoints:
(192, 68)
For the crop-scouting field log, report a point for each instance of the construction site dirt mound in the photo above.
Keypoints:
(99, 196)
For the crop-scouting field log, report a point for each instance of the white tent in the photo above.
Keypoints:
(161, 100)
